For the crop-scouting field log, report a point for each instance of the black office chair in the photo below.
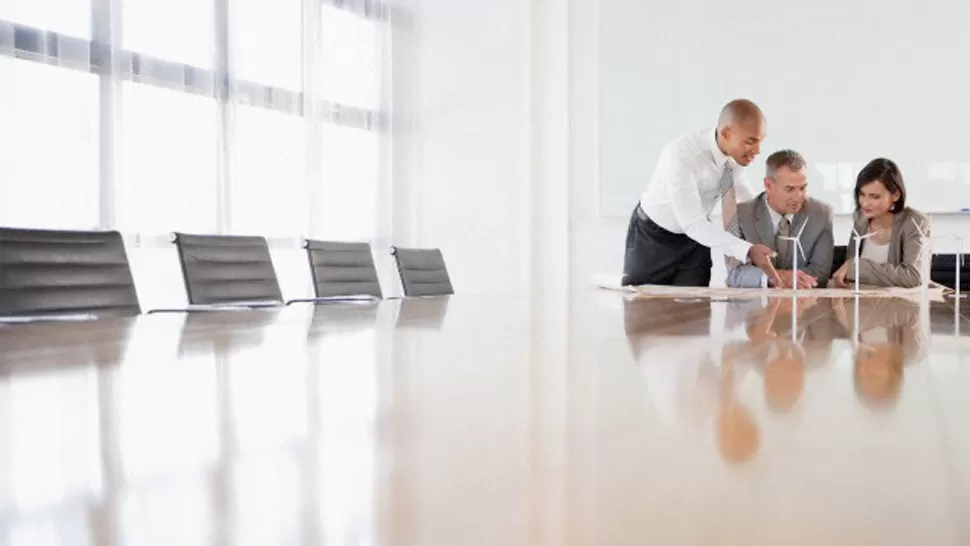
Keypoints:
(943, 270)
(838, 257)
(423, 272)
(227, 271)
(51, 272)
(342, 270)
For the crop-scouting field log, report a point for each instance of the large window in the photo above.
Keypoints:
(350, 166)
(68, 17)
(350, 58)
(48, 146)
(231, 116)
(269, 173)
(267, 42)
(174, 30)
(168, 161)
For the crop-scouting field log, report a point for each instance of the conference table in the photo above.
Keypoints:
(469, 420)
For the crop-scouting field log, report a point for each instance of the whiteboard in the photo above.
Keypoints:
(840, 82)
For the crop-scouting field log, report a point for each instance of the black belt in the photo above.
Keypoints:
(656, 228)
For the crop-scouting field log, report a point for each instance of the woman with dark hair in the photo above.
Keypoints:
(892, 255)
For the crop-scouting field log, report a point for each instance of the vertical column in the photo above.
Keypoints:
(582, 410)
(106, 36)
(384, 235)
(312, 114)
(549, 268)
(223, 90)
(405, 124)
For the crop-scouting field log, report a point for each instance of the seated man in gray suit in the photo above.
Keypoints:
(781, 211)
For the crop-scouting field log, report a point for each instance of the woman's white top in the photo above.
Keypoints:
(875, 253)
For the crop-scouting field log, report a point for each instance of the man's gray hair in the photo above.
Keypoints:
(783, 158)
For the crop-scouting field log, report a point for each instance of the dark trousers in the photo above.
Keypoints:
(657, 256)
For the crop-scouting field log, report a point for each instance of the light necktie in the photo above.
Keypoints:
(729, 208)
(783, 246)
(729, 201)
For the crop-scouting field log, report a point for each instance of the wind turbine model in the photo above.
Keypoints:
(858, 247)
(796, 245)
(924, 263)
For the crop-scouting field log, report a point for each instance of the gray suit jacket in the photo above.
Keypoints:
(903, 267)
(817, 240)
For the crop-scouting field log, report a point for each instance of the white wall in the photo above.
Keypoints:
(597, 239)
(498, 152)
(842, 82)
(462, 159)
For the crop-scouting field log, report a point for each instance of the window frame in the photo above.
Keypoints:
(114, 65)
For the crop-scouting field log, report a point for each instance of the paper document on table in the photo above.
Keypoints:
(611, 281)
(661, 291)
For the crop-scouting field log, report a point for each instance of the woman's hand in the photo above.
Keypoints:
(838, 278)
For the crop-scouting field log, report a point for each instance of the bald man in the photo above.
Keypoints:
(671, 234)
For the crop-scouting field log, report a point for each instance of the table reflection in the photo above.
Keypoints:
(419, 421)
(700, 361)
(220, 427)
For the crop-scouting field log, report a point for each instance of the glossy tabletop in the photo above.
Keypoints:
(472, 421)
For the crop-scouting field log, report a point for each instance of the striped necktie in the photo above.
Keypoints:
(729, 201)
(729, 208)
(783, 260)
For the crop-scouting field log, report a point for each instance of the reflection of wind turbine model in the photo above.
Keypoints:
(855, 324)
(858, 246)
(796, 246)
(923, 259)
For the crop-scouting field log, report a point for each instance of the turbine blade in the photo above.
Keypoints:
(915, 223)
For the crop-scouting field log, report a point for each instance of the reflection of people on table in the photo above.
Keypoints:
(736, 430)
(678, 374)
(888, 337)
(771, 318)
(780, 357)
(780, 361)
(893, 253)
(784, 376)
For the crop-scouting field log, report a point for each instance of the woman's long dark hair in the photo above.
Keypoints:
(885, 171)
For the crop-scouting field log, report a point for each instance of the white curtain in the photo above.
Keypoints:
(208, 116)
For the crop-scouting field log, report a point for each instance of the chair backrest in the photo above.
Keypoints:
(422, 271)
(838, 257)
(227, 269)
(943, 270)
(342, 269)
(45, 272)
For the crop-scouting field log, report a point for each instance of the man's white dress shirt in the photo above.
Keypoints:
(683, 191)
